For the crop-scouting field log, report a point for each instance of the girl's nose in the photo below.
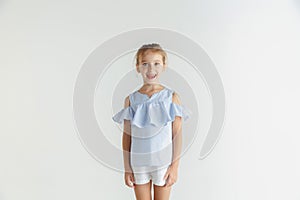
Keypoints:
(150, 68)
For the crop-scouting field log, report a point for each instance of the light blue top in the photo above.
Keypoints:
(151, 126)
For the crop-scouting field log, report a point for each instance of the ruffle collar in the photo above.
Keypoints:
(156, 113)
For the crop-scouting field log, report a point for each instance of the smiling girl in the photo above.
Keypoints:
(152, 135)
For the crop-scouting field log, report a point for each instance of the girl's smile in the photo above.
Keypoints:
(150, 76)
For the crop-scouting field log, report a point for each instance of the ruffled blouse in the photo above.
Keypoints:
(153, 112)
(151, 128)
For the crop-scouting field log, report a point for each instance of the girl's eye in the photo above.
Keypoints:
(145, 64)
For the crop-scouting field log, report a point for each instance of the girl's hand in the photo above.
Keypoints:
(129, 179)
(171, 176)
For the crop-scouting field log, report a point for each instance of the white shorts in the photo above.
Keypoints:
(143, 175)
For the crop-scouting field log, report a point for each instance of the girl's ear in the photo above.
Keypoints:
(165, 66)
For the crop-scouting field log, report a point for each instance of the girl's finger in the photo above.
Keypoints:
(166, 175)
(170, 182)
(132, 178)
(128, 182)
(132, 181)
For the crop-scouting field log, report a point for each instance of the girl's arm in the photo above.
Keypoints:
(171, 174)
(176, 134)
(126, 140)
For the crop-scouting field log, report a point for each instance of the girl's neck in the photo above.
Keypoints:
(151, 87)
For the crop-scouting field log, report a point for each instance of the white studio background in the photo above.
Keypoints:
(254, 44)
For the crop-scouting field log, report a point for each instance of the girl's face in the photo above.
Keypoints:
(151, 66)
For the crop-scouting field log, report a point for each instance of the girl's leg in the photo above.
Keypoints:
(143, 192)
(161, 192)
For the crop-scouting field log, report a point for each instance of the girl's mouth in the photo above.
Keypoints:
(151, 76)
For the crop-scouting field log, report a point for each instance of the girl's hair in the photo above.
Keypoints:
(154, 47)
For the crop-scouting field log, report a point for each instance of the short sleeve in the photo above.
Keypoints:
(125, 113)
(179, 110)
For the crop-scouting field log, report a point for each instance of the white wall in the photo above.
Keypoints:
(254, 44)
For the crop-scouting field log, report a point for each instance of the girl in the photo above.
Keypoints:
(152, 135)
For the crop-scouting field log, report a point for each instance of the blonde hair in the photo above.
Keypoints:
(154, 47)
